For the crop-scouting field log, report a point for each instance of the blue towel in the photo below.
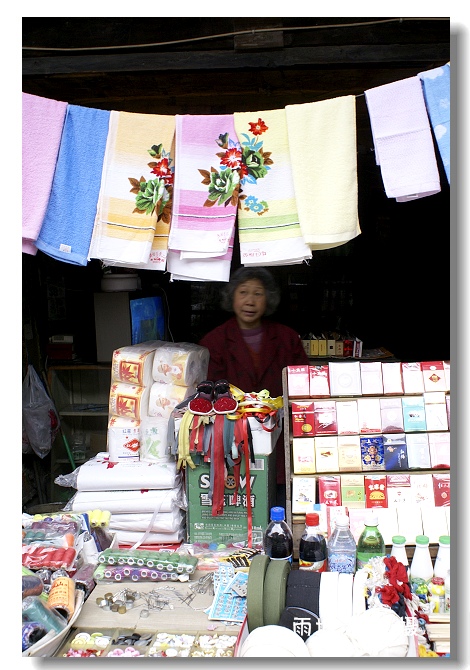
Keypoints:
(68, 224)
(436, 90)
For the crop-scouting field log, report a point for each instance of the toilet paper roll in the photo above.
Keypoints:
(134, 364)
(124, 502)
(129, 400)
(181, 363)
(124, 438)
(164, 398)
(154, 439)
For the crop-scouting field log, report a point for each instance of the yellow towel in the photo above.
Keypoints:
(134, 208)
(322, 144)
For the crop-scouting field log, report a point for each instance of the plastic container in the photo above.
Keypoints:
(399, 549)
(342, 548)
(278, 542)
(442, 562)
(313, 552)
(421, 569)
(370, 543)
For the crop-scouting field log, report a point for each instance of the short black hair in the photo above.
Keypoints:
(243, 274)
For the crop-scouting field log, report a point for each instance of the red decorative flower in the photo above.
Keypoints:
(161, 169)
(232, 158)
(258, 128)
(389, 595)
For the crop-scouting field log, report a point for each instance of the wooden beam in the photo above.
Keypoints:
(354, 54)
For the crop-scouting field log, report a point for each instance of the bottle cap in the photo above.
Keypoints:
(444, 539)
(312, 519)
(372, 520)
(342, 521)
(422, 539)
(437, 580)
(399, 539)
(277, 514)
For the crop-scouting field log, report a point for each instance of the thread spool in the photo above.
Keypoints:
(33, 609)
(32, 632)
(62, 596)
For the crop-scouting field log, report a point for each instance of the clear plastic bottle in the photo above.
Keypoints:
(342, 548)
(447, 592)
(370, 543)
(442, 562)
(399, 549)
(313, 552)
(278, 542)
(421, 569)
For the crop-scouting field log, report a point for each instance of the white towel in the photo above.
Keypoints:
(101, 474)
(403, 140)
(143, 501)
(164, 522)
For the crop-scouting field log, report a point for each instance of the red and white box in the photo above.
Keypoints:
(298, 381)
(371, 378)
(434, 376)
(441, 485)
(324, 417)
(369, 415)
(349, 453)
(375, 487)
(326, 453)
(347, 417)
(399, 492)
(345, 378)
(392, 378)
(303, 455)
(413, 381)
(319, 381)
(439, 450)
(447, 374)
(329, 490)
(391, 415)
(302, 419)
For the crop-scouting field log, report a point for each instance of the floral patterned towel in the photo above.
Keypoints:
(207, 160)
(268, 222)
(134, 209)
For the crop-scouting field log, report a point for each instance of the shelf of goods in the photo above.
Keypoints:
(411, 497)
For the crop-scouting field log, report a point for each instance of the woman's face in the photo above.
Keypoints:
(249, 303)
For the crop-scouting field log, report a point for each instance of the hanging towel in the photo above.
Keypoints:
(268, 223)
(43, 121)
(402, 140)
(136, 191)
(201, 269)
(322, 144)
(436, 88)
(68, 223)
(207, 159)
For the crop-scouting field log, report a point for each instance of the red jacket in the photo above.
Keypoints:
(230, 358)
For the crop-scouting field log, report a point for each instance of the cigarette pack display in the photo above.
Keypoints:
(414, 416)
(313, 346)
(392, 378)
(412, 378)
(324, 417)
(371, 378)
(433, 375)
(395, 451)
(345, 378)
(329, 490)
(372, 452)
(302, 419)
(391, 415)
(352, 491)
(417, 445)
(399, 492)
(422, 489)
(436, 416)
(319, 381)
(298, 381)
(326, 453)
(441, 487)
(439, 450)
(370, 420)
(303, 455)
(303, 494)
(349, 453)
(347, 417)
(375, 487)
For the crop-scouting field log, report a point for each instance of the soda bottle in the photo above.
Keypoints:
(313, 552)
(421, 568)
(399, 549)
(442, 562)
(278, 542)
(342, 548)
(370, 543)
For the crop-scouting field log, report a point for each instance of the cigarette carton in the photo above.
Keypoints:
(370, 420)
(433, 375)
(372, 452)
(392, 378)
(324, 417)
(303, 494)
(414, 416)
(417, 445)
(326, 453)
(391, 415)
(302, 419)
(319, 381)
(412, 378)
(345, 378)
(371, 378)
(298, 381)
(347, 417)
(303, 455)
(375, 487)
(329, 490)
(352, 491)
(395, 451)
(349, 453)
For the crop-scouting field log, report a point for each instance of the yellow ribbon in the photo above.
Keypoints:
(184, 456)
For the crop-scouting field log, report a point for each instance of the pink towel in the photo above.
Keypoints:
(403, 140)
(43, 120)
(205, 196)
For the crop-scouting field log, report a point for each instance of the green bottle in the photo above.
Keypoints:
(370, 543)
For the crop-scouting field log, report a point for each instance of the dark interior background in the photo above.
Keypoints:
(390, 286)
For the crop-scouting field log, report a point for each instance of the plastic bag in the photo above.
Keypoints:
(40, 418)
